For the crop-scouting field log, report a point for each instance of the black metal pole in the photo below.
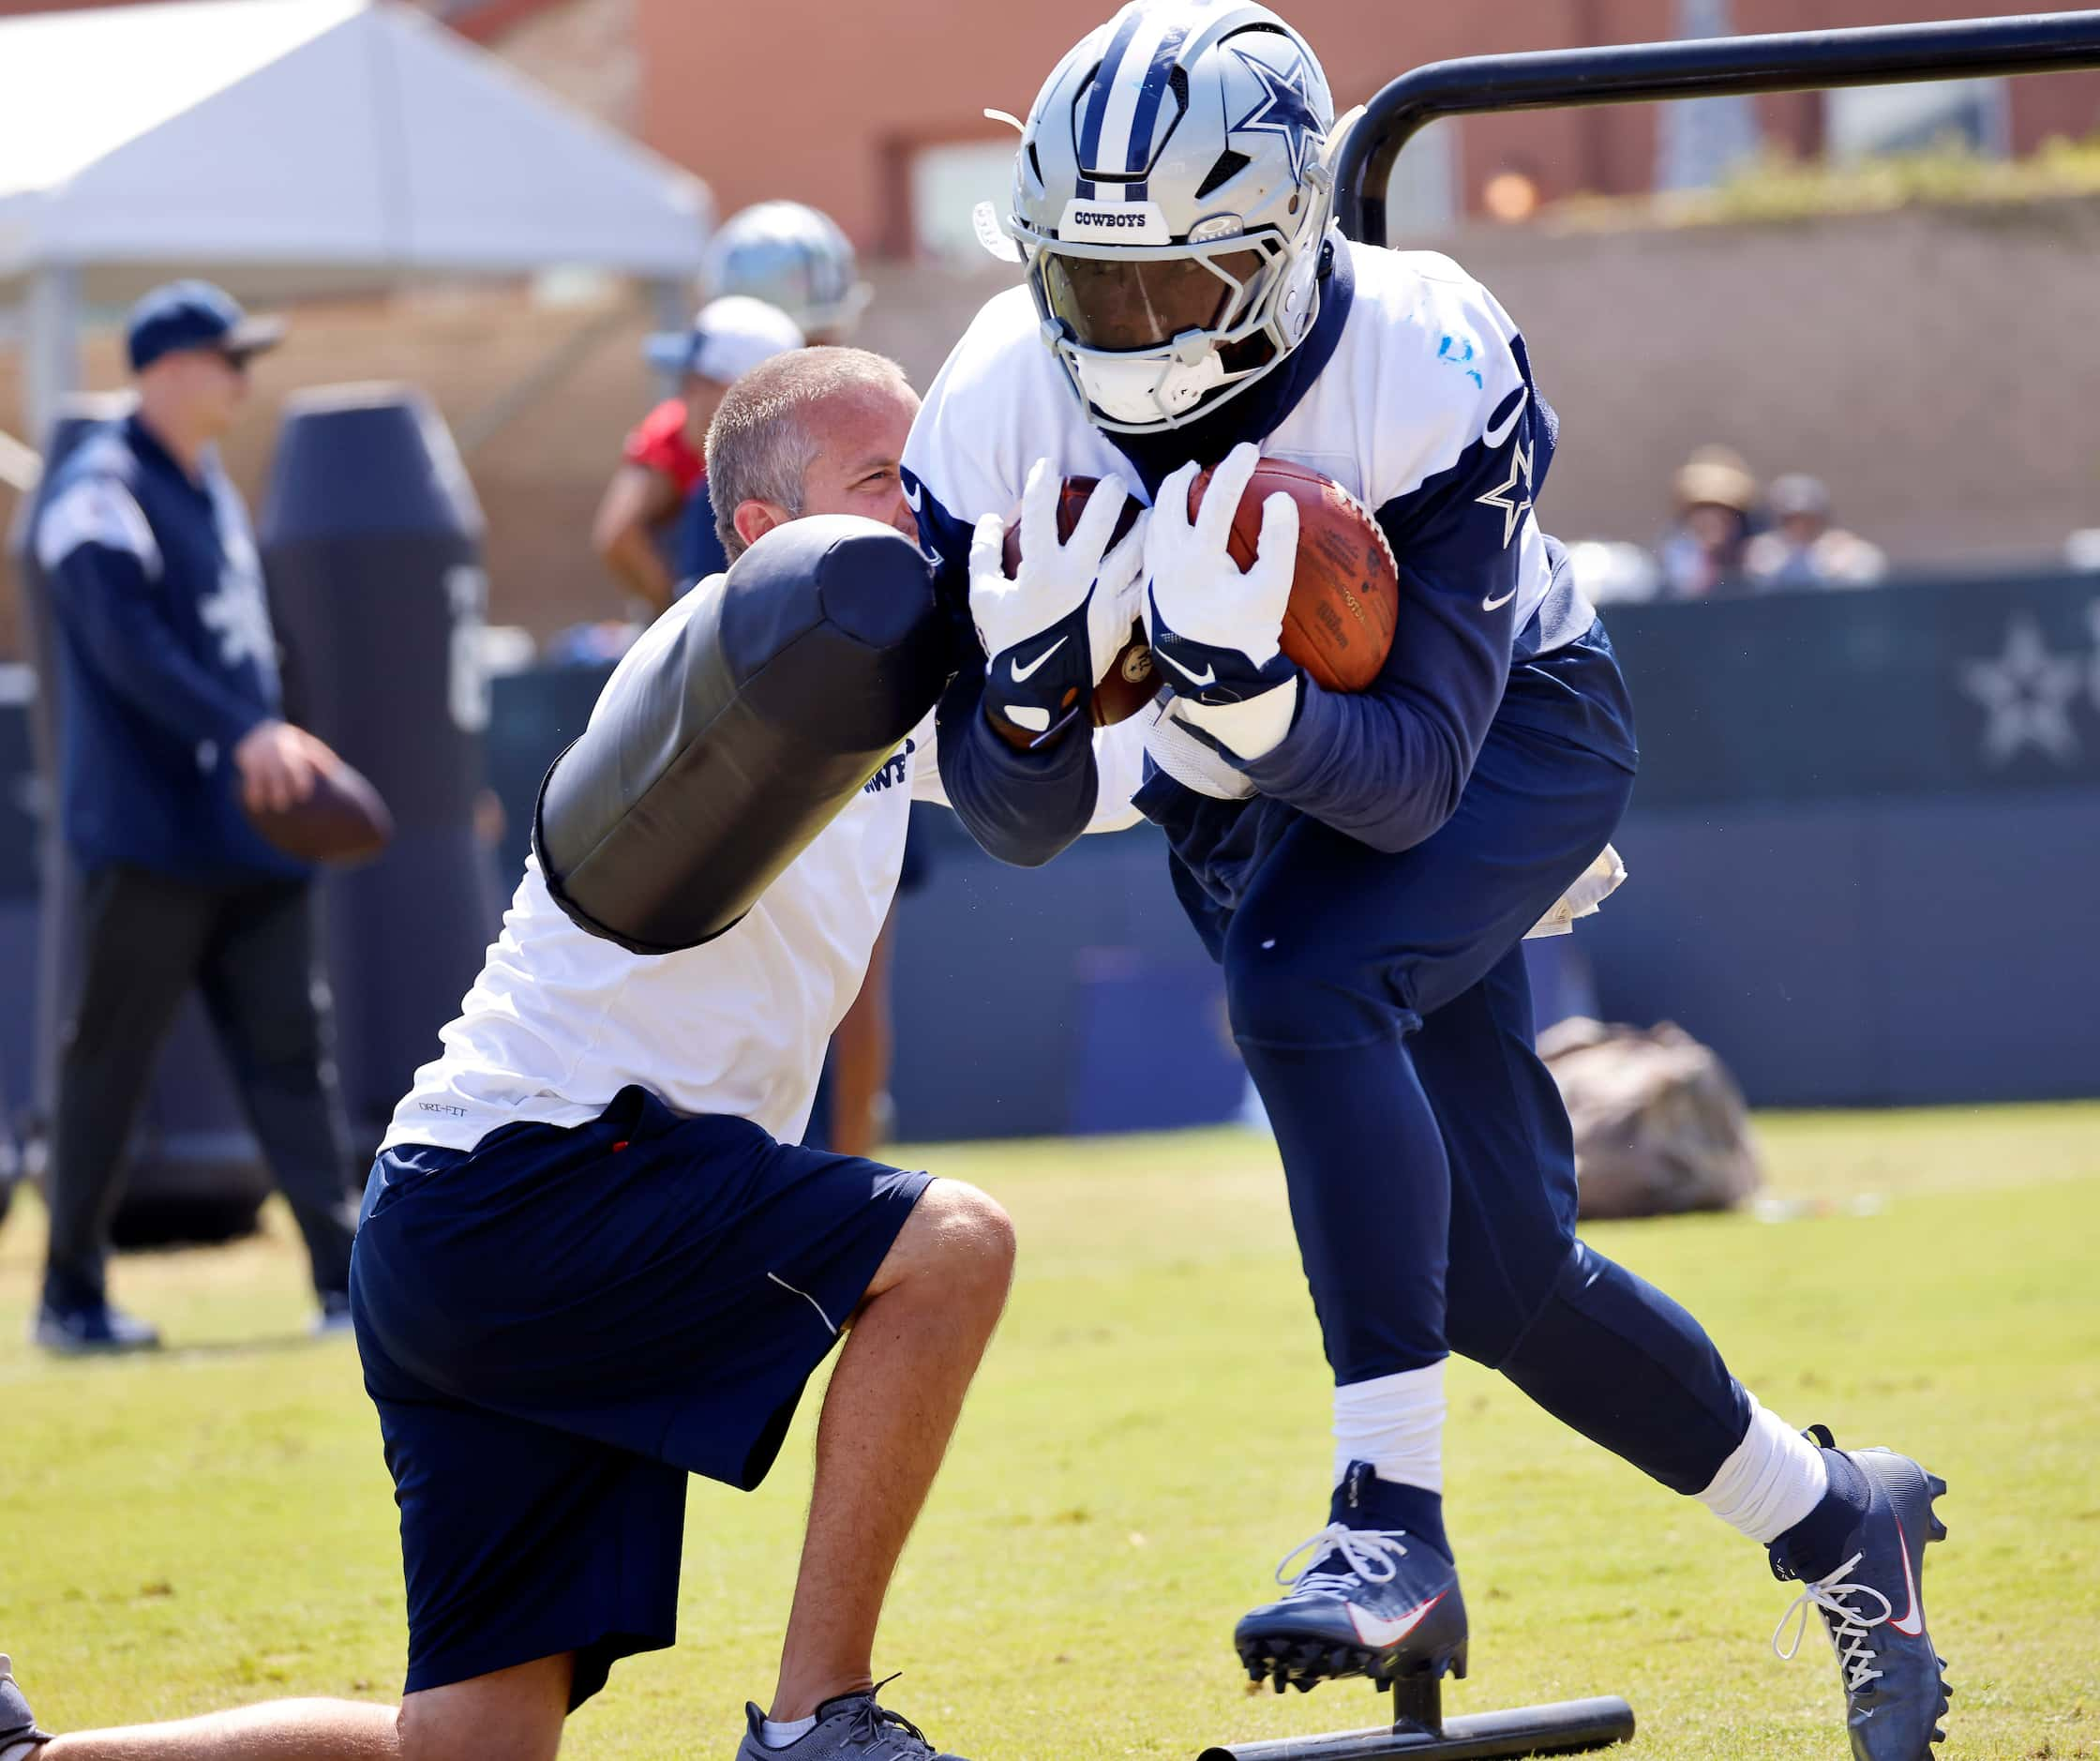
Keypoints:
(1565, 1727)
(1629, 74)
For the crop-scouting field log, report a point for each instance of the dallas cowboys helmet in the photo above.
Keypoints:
(792, 257)
(1172, 196)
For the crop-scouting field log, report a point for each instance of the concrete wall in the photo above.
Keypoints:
(1934, 367)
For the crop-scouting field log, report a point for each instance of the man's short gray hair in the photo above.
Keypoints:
(759, 445)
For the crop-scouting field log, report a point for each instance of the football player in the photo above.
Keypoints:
(793, 257)
(1363, 865)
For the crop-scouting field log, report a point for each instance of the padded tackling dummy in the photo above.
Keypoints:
(792, 679)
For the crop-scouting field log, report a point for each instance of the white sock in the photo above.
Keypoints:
(1396, 1423)
(773, 1736)
(1775, 1478)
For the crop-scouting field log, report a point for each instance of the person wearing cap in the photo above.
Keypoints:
(654, 528)
(171, 724)
(1804, 548)
(1703, 555)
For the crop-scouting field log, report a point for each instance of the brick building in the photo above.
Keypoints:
(873, 111)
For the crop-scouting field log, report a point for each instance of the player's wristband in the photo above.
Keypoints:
(1249, 729)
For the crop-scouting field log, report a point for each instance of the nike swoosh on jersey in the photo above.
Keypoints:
(1023, 674)
(1912, 1623)
(1202, 681)
(1495, 436)
(1378, 1631)
(1496, 605)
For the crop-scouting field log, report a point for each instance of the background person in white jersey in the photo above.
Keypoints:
(594, 1260)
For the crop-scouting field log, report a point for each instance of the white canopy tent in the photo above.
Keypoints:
(280, 145)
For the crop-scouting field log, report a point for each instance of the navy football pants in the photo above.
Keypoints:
(1381, 1007)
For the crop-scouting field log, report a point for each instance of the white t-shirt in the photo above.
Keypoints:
(559, 1021)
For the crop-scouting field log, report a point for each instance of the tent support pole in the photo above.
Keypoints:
(51, 347)
(670, 307)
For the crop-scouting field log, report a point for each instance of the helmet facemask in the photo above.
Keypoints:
(1166, 291)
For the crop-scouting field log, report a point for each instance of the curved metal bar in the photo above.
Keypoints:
(1630, 73)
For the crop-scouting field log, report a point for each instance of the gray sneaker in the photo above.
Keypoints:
(18, 1724)
(849, 1728)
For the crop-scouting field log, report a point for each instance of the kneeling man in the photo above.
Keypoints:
(594, 1261)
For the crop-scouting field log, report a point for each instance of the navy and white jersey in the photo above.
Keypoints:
(167, 656)
(1413, 391)
(559, 1021)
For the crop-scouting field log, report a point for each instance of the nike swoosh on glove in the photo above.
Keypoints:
(1052, 630)
(1216, 631)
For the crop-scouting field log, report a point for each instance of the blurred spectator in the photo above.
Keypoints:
(1804, 548)
(1611, 572)
(654, 528)
(1704, 555)
(794, 257)
(173, 723)
(599, 644)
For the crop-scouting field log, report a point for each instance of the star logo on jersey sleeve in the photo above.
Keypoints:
(1286, 110)
(1512, 499)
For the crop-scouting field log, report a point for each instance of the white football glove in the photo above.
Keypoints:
(1216, 631)
(1051, 632)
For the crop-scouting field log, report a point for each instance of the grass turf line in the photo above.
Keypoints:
(1149, 1436)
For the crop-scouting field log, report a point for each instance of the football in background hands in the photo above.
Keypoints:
(341, 822)
(1345, 595)
(1129, 683)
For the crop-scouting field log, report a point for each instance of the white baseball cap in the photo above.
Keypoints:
(729, 337)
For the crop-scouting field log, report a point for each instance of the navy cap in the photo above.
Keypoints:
(195, 315)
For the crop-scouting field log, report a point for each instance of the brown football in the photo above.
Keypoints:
(1345, 595)
(342, 823)
(1128, 686)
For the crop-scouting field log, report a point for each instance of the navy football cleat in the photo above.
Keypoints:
(1874, 1611)
(1367, 1605)
(19, 1734)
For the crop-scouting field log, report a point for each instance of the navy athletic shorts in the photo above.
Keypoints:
(559, 1326)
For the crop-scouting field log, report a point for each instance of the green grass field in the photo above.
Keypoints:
(1148, 1438)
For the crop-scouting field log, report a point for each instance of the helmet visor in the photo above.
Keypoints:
(1126, 303)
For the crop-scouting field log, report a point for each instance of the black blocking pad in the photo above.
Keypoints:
(738, 729)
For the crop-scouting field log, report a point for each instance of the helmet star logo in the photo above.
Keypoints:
(1286, 110)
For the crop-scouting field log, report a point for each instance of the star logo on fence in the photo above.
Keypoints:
(2026, 694)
